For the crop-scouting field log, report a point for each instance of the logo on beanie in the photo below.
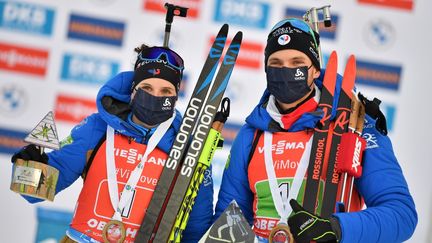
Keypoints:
(154, 71)
(284, 39)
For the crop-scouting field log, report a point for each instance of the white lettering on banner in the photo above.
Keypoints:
(99, 225)
(248, 10)
(12, 58)
(28, 15)
(76, 109)
(283, 145)
(265, 224)
(125, 173)
(81, 66)
(287, 164)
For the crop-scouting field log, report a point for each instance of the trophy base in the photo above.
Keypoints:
(34, 179)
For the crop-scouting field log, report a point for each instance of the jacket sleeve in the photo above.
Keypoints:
(390, 215)
(71, 158)
(235, 183)
(202, 211)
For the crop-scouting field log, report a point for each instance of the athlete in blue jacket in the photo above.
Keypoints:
(286, 115)
(133, 108)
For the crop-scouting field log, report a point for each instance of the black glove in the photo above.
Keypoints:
(30, 152)
(306, 226)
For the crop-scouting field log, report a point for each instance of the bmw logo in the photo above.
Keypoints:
(13, 99)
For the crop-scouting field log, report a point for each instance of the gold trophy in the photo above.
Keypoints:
(34, 178)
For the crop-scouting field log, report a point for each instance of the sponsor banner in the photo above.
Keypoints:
(23, 59)
(229, 132)
(88, 69)
(13, 100)
(52, 224)
(11, 140)
(389, 111)
(324, 32)
(158, 6)
(73, 109)
(247, 13)
(401, 4)
(378, 74)
(251, 54)
(25, 17)
(379, 34)
(96, 30)
(184, 83)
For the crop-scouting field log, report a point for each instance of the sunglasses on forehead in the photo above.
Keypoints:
(299, 24)
(161, 53)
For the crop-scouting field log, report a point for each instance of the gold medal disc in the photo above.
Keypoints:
(114, 232)
(281, 234)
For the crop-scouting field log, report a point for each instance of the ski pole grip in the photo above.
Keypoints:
(351, 154)
(355, 104)
(172, 10)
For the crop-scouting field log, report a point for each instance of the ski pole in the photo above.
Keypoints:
(311, 16)
(172, 10)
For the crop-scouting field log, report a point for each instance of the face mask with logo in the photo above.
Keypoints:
(152, 110)
(287, 84)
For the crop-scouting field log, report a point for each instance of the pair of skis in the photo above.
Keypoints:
(327, 139)
(175, 192)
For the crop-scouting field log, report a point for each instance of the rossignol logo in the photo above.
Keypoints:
(249, 13)
(26, 17)
(96, 30)
(324, 32)
(73, 109)
(23, 59)
(11, 140)
(158, 6)
(378, 74)
(154, 71)
(250, 56)
(284, 39)
(357, 151)
(183, 135)
(401, 4)
(87, 69)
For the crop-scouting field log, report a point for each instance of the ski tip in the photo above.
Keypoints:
(224, 28)
(239, 35)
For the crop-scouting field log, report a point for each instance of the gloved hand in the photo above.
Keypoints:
(306, 226)
(30, 152)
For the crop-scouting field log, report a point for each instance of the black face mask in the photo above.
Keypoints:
(152, 110)
(287, 84)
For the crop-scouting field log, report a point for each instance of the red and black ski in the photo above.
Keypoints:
(319, 142)
(340, 126)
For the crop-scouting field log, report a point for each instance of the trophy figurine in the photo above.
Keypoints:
(35, 178)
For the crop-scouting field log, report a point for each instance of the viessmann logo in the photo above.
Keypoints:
(158, 6)
(401, 4)
(73, 109)
(378, 74)
(26, 17)
(96, 30)
(23, 59)
(251, 54)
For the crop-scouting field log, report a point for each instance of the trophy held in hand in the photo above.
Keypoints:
(32, 175)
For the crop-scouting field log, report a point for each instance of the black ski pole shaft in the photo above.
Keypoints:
(172, 10)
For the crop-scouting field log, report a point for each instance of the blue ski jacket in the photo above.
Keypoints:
(112, 104)
(390, 215)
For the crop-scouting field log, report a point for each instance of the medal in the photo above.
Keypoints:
(114, 232)
(281, 234)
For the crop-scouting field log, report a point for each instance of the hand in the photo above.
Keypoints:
(30, 152)
(306, 226)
